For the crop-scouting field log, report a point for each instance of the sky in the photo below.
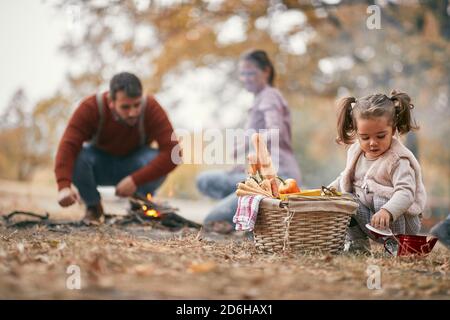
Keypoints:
(30, 34)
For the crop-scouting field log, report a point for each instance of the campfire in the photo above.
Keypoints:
(147, 208)
(143, 210)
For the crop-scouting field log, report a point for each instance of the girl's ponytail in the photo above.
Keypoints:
(345, 123)
(403, 121)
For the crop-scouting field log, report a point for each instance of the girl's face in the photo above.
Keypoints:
(253, 78)
(374, 135)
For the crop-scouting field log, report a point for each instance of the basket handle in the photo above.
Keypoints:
(385, 245)
(331, 192)
(283, 204)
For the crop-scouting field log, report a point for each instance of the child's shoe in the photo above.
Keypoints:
(357, 246)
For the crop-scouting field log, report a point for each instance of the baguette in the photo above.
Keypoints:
(242, 193)
(263, 157)
(252, 183)
(242, 186)
(266, 186)
(253, 166)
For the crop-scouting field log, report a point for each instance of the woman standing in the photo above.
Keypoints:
(269, 111)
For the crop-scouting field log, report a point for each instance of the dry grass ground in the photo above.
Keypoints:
(144, 262)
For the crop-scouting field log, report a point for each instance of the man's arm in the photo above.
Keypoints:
(161, 130)
(81, 127)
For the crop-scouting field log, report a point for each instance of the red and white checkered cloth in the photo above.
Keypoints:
(246, 212)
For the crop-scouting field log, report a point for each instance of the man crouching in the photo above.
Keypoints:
(107, 142)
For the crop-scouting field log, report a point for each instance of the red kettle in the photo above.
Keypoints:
(407, 244)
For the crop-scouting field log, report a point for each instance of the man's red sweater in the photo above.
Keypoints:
(115, 138)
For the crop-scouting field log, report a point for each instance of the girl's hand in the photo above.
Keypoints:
(381, 219)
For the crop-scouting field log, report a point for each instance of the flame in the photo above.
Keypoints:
(152, 213)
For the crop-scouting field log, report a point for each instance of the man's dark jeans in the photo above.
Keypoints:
(95, 167)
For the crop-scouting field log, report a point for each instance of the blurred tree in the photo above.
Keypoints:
(28, 136)
(15, 160)
(321, 51)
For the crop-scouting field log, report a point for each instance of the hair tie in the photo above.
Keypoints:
(395, 101)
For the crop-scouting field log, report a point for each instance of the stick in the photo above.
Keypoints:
(32, 214)
(9, 235)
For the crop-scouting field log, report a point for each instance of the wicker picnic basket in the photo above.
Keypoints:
(303, 224)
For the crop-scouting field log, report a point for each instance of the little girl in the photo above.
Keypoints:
(382, 174)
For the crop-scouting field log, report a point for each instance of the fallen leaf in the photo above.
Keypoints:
(251, 293)
(97, 264)
(20, 247)
(144, 270)
(42, 258)
(201, 267)
(61, 246)
(53, 243)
